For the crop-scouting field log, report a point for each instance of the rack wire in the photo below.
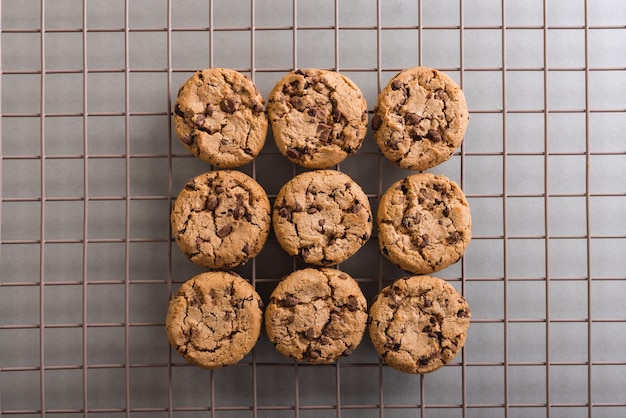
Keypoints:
(90, 165)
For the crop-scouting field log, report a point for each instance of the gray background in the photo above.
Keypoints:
(90, 165)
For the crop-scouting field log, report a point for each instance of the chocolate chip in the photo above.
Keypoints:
(336, 115)
(376, 122)
(224, 231)
(342, 276)
(414, 134)
(190, 185)
(323, 132)
(246, 249)
(288, 302)
(239, 212)
(199, 242)
(446, 212)
(291, 88)
(355, 208)
(317, 113)
(285, 213)
(434, 136)
(210, 131)
(412, 118)
(178, 111)
(228, 105)
(313, 355)
(187, 139)
(293, 153)
(409, 221)
(352, 303)
(220, 189)
(321, 222)
(198, 119)
(425, 241)
(462, 313)
(209, 110)
(297, 103)
(256, 106)
(311, 210)
(455, 236)
(304, 253)
(389, 291)
(393, 144)
(290, 319)
(364, 116)
(428, 303)
(396, 85)
(211, 203)
(196, 300)
(309, 333)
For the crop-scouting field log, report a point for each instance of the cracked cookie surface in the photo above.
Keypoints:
(424, 223)
(221, 219)
(316, 315)
(219, 117)
(420, 118)
(214, 319)
(318, 117)
(418, 324)
(322, 216)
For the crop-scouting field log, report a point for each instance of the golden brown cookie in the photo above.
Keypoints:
(221, 219)
(420, 118)
(418, 324)
(219, 116)
(316, 315)
(318, 117)
(214, 319)
(424, 223)
(323, 216)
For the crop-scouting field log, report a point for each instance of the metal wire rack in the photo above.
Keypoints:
(90, 166)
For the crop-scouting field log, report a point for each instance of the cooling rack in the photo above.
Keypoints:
(90, 166)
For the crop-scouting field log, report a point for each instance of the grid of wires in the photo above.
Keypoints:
(90, 166)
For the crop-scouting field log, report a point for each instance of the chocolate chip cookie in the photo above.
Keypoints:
(318, 117)
(420, 118)
(424, 223)
(219, 116)
(316, 315)
(418, 324)
(221, 219)
(323, 216)
(214, 319)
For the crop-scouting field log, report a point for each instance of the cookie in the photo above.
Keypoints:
(214, 319)
(221, 219)
(418, 324)
(316, 315)
(318, 117)
(420, 118)
(219, 117)
(323, 216)
(424, 223)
